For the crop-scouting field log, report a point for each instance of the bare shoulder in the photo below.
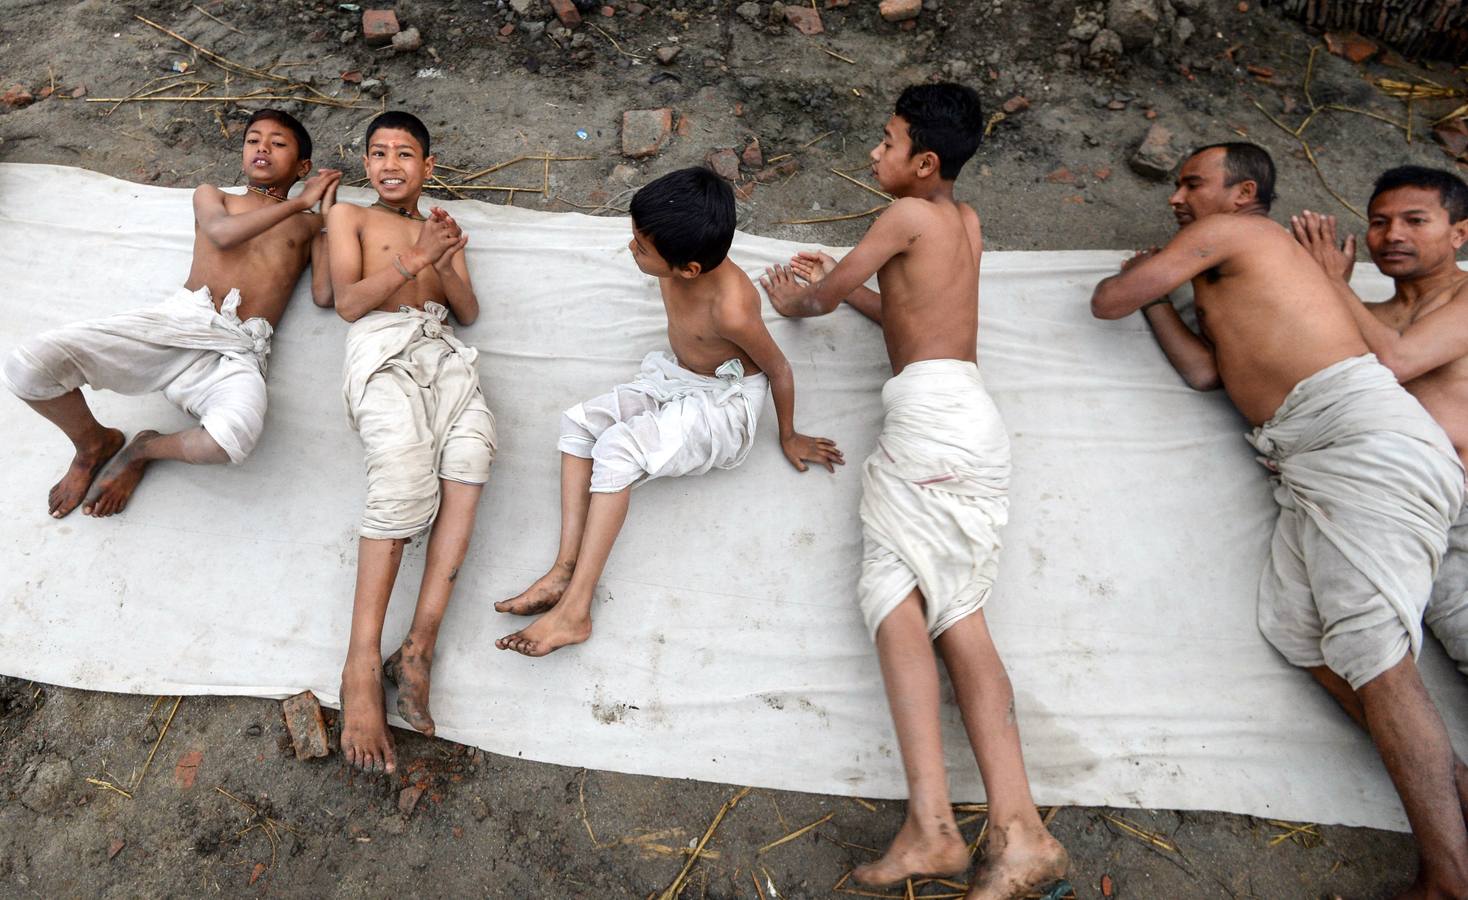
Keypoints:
(343, 212)
(208, 191)
(735, 300)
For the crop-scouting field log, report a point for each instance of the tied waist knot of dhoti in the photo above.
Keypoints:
(188, 319)
(379, 338)
(1358, 457)
(662, 379)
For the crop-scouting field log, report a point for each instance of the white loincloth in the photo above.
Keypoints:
(1368, 485)
(666, 422)
(1447, 610)
(412, 393)
(935, 494)
(206, 362)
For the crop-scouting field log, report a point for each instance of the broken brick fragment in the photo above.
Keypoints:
(306, 726)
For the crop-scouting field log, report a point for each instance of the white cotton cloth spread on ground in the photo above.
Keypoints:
(412, 392)
(729, 644)
(207, 362)
(666, 422)
(1368, 485)
(934, 495)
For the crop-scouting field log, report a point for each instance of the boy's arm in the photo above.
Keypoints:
(453, 274)
(741, 324)
(225, 230)
(356, 296)
(321, 254)
(815, 266)
(893, 232)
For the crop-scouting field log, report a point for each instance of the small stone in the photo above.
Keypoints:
(521, 7)
(724, 162)
(753, 156)
(255, 730)
(1103, 173)
(644, 131)
(566, 11)
(1150, 114)
(45, 785)
(507, 30)
(16, 97)
(352, 77)
(303, 720)
(607, 12)
(346, 37)
(908, 25)
(408, 798)
(623, 172)
(379, 26)
(774, 173)
(479, 809)
(187, 768)
(1156, 156)
(407, 41)
(1116, 105)
(115, 847)
(666, 55)
(749, 12)
(806, 19)
(738, 109)
(900, 10)
(743, 191)
(374, 87)
(1183, 30)
(1134, 21)
(636, 9)
(1352, 46)
(1061, 175)
(1016, 104)
(837, 4)
(78, 92)
(1107, 44)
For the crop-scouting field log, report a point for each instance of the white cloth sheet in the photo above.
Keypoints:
(728, 645)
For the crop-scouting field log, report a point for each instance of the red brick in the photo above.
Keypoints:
(753, 156)
(644, 131)
(16, 97)
(1016, 104)
(307, 728)
(724, 162)
(408, 798)
(898, 10)
(379, 26)
(1061, 175)
(187, 768)
(566, 11)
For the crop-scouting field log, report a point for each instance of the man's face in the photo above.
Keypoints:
(892, 158)
(647, 257)
(272, 155)
(1409, 234)
(1201, 190)
(396, 165)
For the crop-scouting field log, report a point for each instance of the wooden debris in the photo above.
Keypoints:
(796, 833)
(672, 891)
(1160, 841)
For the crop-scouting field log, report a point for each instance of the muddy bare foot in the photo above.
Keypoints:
(542, 595)
(550, 632)
(913, 853)
(118, 479)
(1017, 862)
(67, 493)
(409, 670)
(365, 741)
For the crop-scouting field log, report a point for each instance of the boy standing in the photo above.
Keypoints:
(412, 392)
(206, 355)
(934, 495)
(683, 414)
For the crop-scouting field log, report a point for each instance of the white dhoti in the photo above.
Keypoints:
(1447, 610)
(206, 362)
(935, 495)
(1368, 485)
(412, 393)
(666, 422)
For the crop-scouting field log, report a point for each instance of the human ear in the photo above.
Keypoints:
(691, 270)
(1460, 233)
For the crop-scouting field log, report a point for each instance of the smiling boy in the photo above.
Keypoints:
(412, 393)
(205, 346)
(683, 414)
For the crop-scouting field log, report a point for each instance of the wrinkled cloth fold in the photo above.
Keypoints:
(205, 361)
(666, 422)
(1368, 485)
(935, 496)
(1447, 609)
(412, 393)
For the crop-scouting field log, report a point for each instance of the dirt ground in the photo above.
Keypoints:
(225, 808)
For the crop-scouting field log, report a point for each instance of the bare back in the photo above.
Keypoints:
(1270, 312)
(383, 236)
(693, 332)
(264, 268)
(1443, 391)
(930, 290)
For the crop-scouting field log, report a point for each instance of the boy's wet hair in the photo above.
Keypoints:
(1243, 161)
(688, 215)
(944, 118)
(1451, 191)
(270, 114)
(402, 121)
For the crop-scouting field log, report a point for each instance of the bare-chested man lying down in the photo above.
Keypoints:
(205, 346)
(1366, 481)
(935, 494)
(412, 394)
(1417, 220)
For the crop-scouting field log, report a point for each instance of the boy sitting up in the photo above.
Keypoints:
(934, 495)
(204, 347)
(683, 414)
(413, 395)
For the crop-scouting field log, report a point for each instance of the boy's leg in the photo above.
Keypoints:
(95, 444)
(1413, 743)
(569, 621)
(1019, 853)
(411, 666)
(116, 482)
(575, 500)
(365, 741)
(929, 842)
